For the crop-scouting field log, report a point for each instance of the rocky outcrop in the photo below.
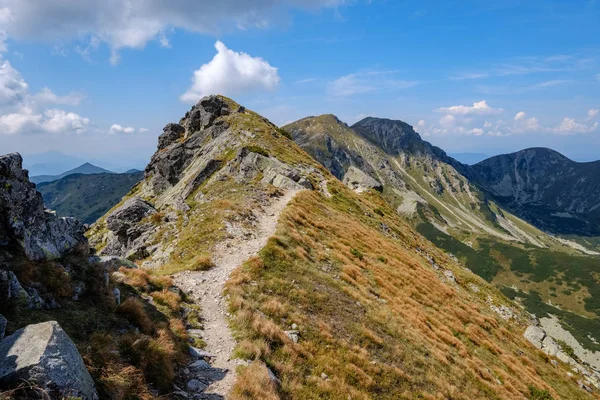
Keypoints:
(129, 232)
(44, 355)
(25, 222)
(358, 181)
(249, 164)
(541, 340)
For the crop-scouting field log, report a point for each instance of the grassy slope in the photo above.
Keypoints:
(554, 273)
(87, 197)
(375, 320)
(373, 316)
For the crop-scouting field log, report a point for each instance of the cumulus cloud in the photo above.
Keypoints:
(592, 113)
(116, 128)
(569, 126)
(22, 112)
(134, 23)
(143, 130)
(47, 96)
(478, 108)
(231, 73)
(367, 81)
(519, 116)
(447, 120)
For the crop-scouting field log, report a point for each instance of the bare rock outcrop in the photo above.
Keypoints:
(359, 181)
(26, 223)
(44, 355)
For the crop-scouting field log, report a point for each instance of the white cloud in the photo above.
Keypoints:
(164, 42)
(13, 88)
(134, 23)
(57, 121)
(143, 130)
(21, 112)
(47, 96)
(231, 73)
(592, 113)
(447, 120)
(569, 126)
(520, 115)
(367, 81)
(478, 108)
(116, 128)
(51, 121)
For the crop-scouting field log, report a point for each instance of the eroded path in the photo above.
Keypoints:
(206, 288)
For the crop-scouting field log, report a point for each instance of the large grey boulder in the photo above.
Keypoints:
(535, 335)
(43, 354)
(26, 222)
(359, 181)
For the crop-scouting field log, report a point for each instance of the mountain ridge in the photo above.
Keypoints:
(85, 168)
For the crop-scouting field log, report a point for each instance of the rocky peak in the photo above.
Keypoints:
(392, 136)
(24, 219)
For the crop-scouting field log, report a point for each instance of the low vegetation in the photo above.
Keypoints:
(373, 329)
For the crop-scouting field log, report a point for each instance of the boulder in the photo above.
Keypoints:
(44, 355)
(130, 213)
(359, 181)
(3, 323)
(40, 233)
(535, 335)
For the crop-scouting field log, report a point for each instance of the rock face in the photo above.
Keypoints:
(43, 354)
(128, 236)
(358, 181)
(545, 188)
(25, 222)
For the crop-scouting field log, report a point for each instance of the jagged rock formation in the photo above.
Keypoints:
(41, 234)
(545, 188)
(44, 354)
(216, 140)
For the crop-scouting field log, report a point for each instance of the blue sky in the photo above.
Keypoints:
(100, 79)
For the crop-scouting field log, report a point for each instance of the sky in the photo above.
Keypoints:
(99, 79)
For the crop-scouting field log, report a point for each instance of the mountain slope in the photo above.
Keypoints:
(87, 196)
(85, 169)
(546, 188)
(346, 300)
(422, 183)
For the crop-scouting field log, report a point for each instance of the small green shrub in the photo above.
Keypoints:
(357, 254)
(539, 394)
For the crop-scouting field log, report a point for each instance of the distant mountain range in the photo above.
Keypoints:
(87, 196)
(545, 188)
(84, 169)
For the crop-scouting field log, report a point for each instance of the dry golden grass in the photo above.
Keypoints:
(254, 383)
(385, 330)
(168, 298)
(134, 310)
